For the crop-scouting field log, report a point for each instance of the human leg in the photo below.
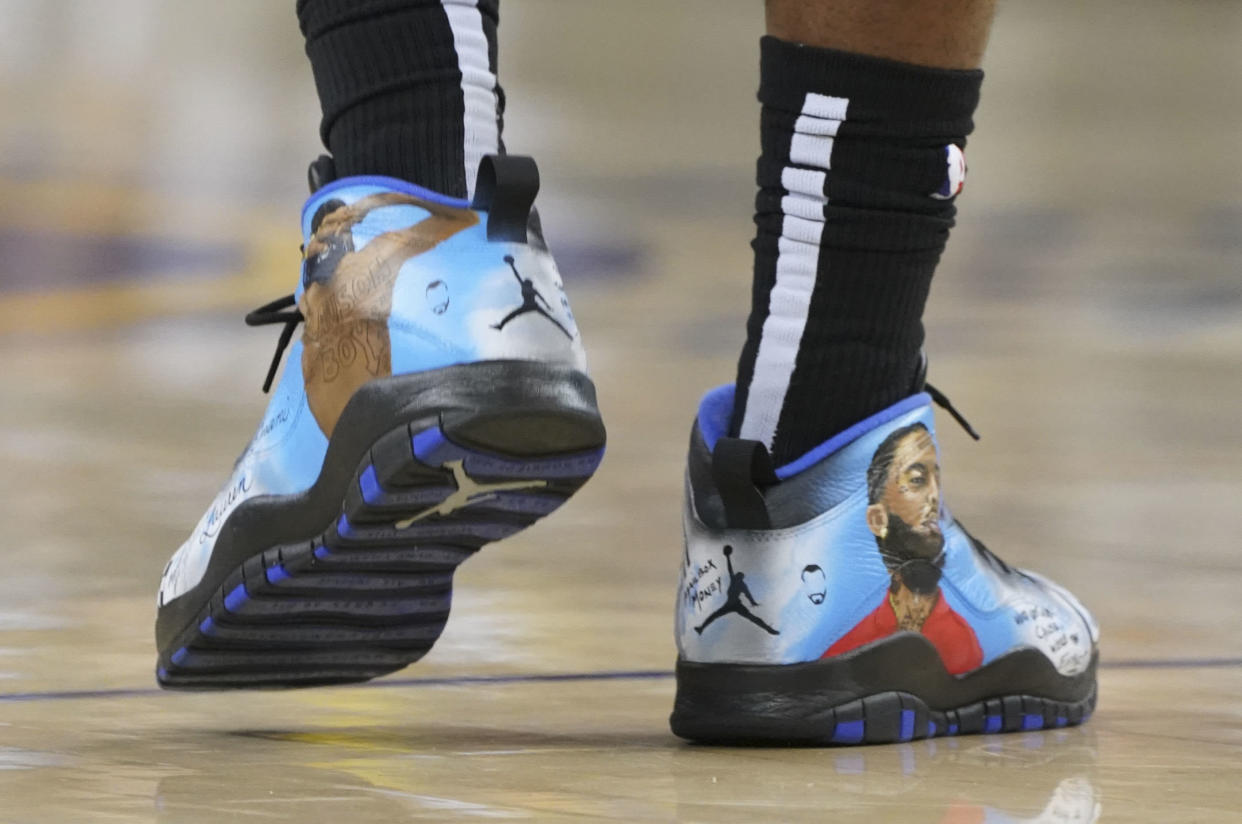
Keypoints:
(407, 430)
(851, 217)
(408, 88)
(824, 455)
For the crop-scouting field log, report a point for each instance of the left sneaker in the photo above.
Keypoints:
(836, 600)
(437, 401)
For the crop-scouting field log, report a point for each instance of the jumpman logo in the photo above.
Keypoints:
(733, 599)
(468, 492)
(531, 300)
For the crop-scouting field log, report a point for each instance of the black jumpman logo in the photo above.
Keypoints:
(530, 302)
(733, 599)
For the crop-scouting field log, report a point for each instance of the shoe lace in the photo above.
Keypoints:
(944, 403)
(981, 548)
(277, 312)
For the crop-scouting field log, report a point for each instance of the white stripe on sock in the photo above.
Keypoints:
(811, 150)
(478, 85)
(801, 206)
(788, 303)
(797, 263)
(814, 125)
(825, 106)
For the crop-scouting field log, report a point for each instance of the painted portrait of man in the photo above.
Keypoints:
(903, 513)
(348, 294)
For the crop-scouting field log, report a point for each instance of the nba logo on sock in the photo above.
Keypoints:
(955, 173)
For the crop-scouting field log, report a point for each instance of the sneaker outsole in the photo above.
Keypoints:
(371, 592)
(896, 717)
(891, 691)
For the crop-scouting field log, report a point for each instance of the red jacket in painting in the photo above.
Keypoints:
(948, 632)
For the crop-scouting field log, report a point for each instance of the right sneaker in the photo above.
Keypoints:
(437, 401)
(836, 600)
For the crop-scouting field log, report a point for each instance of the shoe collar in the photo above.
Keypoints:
(375, 182)
(716, 409)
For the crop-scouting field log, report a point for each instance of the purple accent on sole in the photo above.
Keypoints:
(907, 726)
(234, 600)
(931, 729)
(180, 655)
(276, 574)
(369, 485)
(208, 626)
(993, 723)
(426, 442)
(343, 528)
(1062, 720)
(1032, 722)
(952, 730)
(322, 553)
(848, 732)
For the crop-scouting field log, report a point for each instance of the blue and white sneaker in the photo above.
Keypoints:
(438, 400)
(837, 600)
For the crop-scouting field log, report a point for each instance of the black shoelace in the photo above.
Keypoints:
(980, 547)
(943, 402)
(278, 311)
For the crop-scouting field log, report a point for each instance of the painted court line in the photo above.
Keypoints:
(459, 681)
(545, 678)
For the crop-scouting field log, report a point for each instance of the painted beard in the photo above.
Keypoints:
(903, 544)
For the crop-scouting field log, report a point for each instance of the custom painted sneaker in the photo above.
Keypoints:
(438, 400)
(837, 600)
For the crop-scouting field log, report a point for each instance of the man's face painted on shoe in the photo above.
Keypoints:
(906, 519)
(330, 242)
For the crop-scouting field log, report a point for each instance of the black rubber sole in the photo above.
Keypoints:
(466, 456)
(892, 691)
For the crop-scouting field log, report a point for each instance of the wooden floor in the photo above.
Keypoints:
(1088, 319)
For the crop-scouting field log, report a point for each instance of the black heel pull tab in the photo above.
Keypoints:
(322, 171)
(740, 468)
(506, 189)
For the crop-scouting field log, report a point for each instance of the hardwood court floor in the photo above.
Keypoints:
(1088, 319)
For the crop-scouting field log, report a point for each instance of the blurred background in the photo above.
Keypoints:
(152, 166)
(1087, 317)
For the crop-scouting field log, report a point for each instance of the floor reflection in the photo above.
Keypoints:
(381, 772)
(1033, 777)
(279, 792)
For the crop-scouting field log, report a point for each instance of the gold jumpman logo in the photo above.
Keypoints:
(468, 492)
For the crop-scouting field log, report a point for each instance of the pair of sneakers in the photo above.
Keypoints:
(438, 401)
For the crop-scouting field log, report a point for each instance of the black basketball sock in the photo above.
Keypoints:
(408, 87)
(861, 159)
